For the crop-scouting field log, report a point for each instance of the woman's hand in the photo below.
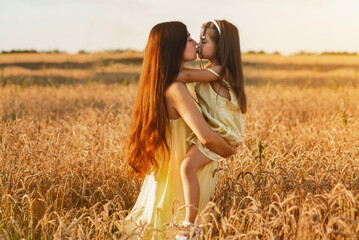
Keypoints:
(181, 100)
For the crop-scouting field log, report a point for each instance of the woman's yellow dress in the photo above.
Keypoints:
(161, 196)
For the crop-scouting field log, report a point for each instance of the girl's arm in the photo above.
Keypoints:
(187, 75)
(181, 100)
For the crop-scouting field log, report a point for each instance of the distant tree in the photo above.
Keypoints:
(251, 52)
(338, 53)
(122, 50)
(19, 51)
(304, 53)
(115, 51)
(54, 51)
(254, 52)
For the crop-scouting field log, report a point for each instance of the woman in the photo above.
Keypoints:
(164, 114)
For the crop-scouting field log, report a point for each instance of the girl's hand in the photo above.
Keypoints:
(187, 75)
(235, 149)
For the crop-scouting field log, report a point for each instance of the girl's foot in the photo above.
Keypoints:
(188, 227)
(185, 227)
(187, 224)
(178, 237)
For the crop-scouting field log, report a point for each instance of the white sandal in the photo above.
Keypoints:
(178, 237)
(188, 225)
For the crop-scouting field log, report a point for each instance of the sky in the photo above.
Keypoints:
(287, 26)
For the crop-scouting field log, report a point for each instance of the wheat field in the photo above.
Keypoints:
(296, 175)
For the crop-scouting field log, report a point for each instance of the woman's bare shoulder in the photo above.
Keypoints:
(175, 97)
(176, 91)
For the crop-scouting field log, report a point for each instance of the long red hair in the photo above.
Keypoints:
(161, 64)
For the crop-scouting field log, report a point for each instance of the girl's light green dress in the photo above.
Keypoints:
(222, 115)
(161, 196)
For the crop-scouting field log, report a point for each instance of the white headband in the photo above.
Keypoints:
(217, 26)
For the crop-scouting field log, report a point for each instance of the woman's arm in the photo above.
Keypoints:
(187, 75)
(181, 100)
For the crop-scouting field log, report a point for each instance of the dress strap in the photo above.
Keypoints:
(212, 71)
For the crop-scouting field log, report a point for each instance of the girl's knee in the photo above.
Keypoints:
(187, 167)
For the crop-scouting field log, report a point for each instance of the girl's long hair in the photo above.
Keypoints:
(228, 55)
(161, 63)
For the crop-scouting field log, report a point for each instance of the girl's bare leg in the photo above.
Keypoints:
(193, 161)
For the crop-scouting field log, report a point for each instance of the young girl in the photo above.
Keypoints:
(221, 97)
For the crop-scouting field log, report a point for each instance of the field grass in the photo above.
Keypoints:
(296, 175)
(125, 67)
